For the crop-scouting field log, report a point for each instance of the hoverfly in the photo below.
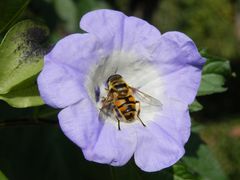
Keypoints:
(121, 101)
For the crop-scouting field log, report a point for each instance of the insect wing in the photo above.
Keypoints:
(146, 98)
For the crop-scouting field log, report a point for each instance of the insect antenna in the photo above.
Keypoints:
(116, 70)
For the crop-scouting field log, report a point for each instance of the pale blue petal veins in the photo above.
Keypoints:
(173, 119)
(182, 85)
(79, 51)
(59, 85)
(65, 69)
(179, 64)
(80, 123)
(101, 142)
(156, 149)
(139, 37)
(113, 146)
(120, 32)
(107, 25)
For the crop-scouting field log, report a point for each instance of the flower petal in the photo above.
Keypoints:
(175, 120)
(100, 142)
(113, 146)
(156, 149)
(65, 68)
(120, 32)
(179, 64)
(107, 25)
(79, 51)
(59, 86)
(80, 123)
(183, 84)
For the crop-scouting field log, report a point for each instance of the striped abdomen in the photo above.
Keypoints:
(126, 108)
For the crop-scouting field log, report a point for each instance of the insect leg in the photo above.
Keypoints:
(107, 100)
(118, 124)
(138, 112)
(117, 114)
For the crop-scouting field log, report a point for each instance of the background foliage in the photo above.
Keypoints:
(32, 145)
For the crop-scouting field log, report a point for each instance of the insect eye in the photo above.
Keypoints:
(113, 77)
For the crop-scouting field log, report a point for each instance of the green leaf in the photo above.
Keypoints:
(196, 127)
(210, 57)
(67, 11)
(11, 10)
(211, 83)
(195, 106)
(214, 72)
(21, 54)
(181, 172)
(25, 95)
(2, 176)
(85, 6)
(218, 67)
(21, 59)
(205, 164)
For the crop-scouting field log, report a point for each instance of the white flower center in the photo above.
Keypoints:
(136, 72)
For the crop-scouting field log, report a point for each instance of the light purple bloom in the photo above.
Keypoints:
(166, 66)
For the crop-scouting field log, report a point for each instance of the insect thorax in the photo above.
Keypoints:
(122, 91)
(118, 86)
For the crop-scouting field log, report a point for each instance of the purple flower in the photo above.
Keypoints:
(166, 66)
